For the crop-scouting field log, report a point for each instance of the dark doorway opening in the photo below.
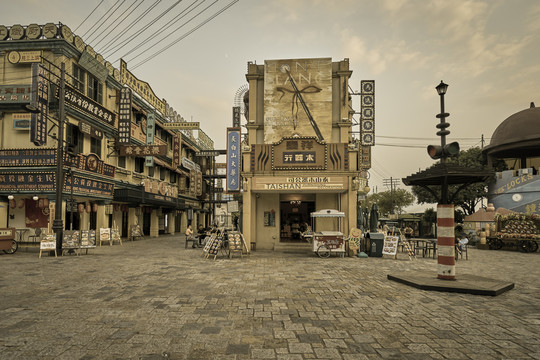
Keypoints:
(294, 216)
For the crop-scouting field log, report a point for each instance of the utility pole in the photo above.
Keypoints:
(392, 183)
(58, 223)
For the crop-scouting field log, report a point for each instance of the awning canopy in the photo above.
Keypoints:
(328, 213)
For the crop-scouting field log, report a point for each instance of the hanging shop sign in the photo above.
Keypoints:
(367, 109)
(93, 66)
(141, 87)
(88, 186)
(211, 153)
(150, 132)
(28, 157)
(40, 90)
(181, 125)
(204, 141)
(177, 150)
(21, 121)
(39, 181)
(188, 164)
(142, 150)
(15, 94)
(298, 153)
(24, 57)
(160, 188)
(92, 163)
(236, 116)
(94, 132)
(364, 157)
(299, 183)
(88, 106)
(233, 160)
(124, 116)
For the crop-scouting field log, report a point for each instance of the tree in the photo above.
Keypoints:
(390, 202)
(468, 198)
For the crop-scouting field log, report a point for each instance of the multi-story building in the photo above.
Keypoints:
(299, 155)
(129, 158)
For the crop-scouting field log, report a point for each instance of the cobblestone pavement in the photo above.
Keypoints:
(153, 299)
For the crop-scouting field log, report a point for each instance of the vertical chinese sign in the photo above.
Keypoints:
(236, 116)
(150, 130)
(124, 117)
(40, 90)
(233, 160)
(177, 150)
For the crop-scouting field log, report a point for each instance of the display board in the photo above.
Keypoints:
(115, 236)
(136, 231)
(105, 235)
(390, 245)
(48, 244)
(236, 243)
(71, 239)
(88, 238)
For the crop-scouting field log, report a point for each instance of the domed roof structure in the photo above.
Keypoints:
(517, 137)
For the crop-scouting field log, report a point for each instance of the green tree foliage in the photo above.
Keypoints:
(389, 202)
(468, 198)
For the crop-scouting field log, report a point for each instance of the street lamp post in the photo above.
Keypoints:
(58, 223)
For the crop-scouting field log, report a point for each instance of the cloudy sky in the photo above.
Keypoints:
(487, 51)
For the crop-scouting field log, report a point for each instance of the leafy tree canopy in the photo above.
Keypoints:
(468, 198)
(390, 202)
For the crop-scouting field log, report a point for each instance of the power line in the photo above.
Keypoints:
(107, 47)
(104, 33)
(104, 21)
(97, 22)
(171, 22)
(88, 16)
(187, 34)
(146, 27)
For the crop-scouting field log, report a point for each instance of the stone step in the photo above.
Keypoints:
(300, 247)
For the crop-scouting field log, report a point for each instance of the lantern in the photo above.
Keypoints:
(20, 203)
(81, 207)
(94, 207)
(117, 207)
(88, 208)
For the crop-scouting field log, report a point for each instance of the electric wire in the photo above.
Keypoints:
(101, 2)
(105, 34)
(185, 35)
(171, 22)
(145, 28)
(97, 22)
(90, 39)
(108, 47)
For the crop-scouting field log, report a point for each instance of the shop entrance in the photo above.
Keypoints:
(294, 214)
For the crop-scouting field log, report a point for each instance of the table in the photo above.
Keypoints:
(427, 246)
(19, 234)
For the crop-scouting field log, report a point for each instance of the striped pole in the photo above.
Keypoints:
(445, 242)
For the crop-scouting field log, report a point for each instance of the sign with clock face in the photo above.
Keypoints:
(284, 114)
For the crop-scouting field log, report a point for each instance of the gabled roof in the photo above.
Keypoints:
(486, 216)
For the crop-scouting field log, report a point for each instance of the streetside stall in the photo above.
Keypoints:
(326, 242)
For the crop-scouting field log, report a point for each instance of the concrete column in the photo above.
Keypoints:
(4, 210)
(445, 242)
(171, 217)
(154, 224)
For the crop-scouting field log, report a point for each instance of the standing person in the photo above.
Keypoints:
(189, 234)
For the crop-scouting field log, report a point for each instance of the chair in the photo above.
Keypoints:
(464, 249)
(36, 235)
(420, 246)
(191, 239)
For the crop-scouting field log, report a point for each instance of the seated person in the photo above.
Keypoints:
(201, 234)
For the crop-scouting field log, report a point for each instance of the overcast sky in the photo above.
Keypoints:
(487, 51)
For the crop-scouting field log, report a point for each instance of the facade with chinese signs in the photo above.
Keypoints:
(299, 155)
(122, 164)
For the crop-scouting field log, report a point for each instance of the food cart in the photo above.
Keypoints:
(327, 242)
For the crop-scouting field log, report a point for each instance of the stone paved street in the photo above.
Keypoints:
(153, 299)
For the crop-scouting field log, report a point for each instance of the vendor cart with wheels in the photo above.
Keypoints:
(327, 242)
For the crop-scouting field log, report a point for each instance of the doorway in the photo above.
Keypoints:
(295, 214)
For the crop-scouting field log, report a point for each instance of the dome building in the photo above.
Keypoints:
(517, 141)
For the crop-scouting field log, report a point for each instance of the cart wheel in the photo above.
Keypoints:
(528, 246)
(495, 244)
(323, 251)
(13, 249)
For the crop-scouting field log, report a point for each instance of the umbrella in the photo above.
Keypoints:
(374, 218)
(366, 217)
(359, 218)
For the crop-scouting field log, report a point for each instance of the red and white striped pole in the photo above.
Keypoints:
(446, 261)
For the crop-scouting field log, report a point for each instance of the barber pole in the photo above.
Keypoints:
(445, 242)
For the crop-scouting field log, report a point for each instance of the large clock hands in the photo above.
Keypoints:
(298, 94)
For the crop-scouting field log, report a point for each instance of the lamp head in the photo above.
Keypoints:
(441, 88)
(11, 197)
(35, 198)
